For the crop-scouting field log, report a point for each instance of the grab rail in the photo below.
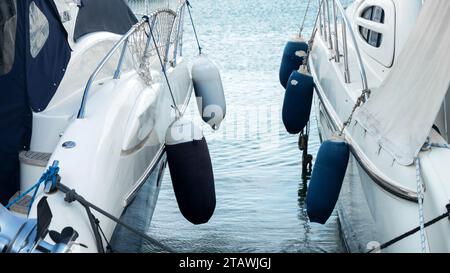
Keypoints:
(147, 21)
(325, 31)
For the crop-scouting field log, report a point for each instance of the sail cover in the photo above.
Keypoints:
(401, 112)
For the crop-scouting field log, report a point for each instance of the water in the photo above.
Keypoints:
(260, 195)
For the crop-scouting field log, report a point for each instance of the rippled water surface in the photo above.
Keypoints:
(259, 190)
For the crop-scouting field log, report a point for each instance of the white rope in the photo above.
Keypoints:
(420, 197)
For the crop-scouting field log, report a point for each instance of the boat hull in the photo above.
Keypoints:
(119, 146)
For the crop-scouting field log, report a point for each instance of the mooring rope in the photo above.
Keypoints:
(188, 4)
(421, 196)
(51, 175)
(72, 196)
(412, 231)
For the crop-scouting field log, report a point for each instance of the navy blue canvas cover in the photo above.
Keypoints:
(103, 15)
(29, 85)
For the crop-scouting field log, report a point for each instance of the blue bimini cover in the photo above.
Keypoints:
(34, 54)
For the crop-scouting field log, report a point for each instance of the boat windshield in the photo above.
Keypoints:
(8, 24)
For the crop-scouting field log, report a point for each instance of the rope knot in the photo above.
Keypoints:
(70, 196)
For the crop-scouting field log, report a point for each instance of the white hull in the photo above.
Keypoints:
(378, 200)
(117, 143)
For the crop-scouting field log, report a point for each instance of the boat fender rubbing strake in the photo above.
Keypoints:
(327, 178)
(294, 53)
(298, 101)
(386, 184)
(191, 171)
(209, 92)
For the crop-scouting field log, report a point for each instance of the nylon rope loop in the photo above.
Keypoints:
(50, 175)
(189, 6)
(175, 106)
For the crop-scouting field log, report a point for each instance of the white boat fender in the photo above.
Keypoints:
(209, 91)
(327, 178)
(298, 101)
(191, 171)
(295, 51)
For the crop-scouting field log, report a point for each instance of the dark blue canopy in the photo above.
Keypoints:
(30, 73)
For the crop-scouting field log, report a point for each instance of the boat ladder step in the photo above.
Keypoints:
(34, 158)
(21, 207)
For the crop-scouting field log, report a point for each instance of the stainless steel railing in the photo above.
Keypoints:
(327, 18)
(139, 42)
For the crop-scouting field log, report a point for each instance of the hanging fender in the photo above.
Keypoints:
(294, 53)
(327, 178)
(208, 89)
(298, 101)
(191, 171)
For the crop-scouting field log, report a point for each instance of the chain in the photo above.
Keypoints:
(361, 99)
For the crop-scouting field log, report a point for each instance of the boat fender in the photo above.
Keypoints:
(295, 51)
(208, 89)
(327, 178)
(191, 171)
(298, 101)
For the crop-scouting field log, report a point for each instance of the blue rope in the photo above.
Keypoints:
(49, 176)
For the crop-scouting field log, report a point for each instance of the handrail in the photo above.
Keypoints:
(337, 6)
(123, 43)
(108, 56)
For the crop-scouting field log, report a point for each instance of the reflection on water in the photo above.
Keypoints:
(260, 191)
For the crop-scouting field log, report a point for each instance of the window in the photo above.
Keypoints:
(375, 14)
(8, 25)
(39, 29)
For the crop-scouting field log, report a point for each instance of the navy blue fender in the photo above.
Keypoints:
(326, 180)
(292, 59)
(297, 102)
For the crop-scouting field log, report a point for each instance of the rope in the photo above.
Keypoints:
(72, 196)
(189, 6)
(304, 18)
(48, 176)
(313, 35)
(164, 72)
(108, 245)
(413, 231)
(421, 187)
(420, 197)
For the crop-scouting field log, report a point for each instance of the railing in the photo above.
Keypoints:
(167, 29)
(330, 16)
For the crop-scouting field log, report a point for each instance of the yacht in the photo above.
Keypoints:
(88, 92)
(382, 73)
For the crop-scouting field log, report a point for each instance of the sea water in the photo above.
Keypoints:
(257, 164)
